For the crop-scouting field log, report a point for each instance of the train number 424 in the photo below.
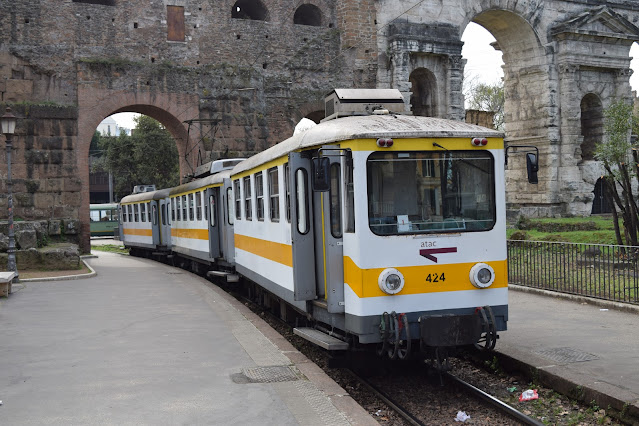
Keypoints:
(435, 278)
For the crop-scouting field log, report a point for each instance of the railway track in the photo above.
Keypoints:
(414, 420)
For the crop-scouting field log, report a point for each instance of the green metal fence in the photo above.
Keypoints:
(594, 270)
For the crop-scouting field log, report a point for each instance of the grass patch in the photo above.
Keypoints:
(591, 230)
(111, 248)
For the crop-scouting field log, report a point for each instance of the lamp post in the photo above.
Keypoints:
(8, 123)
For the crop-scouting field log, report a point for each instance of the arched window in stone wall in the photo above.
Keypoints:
(591, 125)
(249, 9)
(423, 88)
(316, 116)
(308, 14)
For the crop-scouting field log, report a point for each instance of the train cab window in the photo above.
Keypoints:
(136, 212)
(198, 205)
(122, 214)
(184, 208)
(173, 209)
(154, 214)
(335, 200)
(163, 213)
(287, 190)
(130, 209)
(349, 199)
(248, 209)
(212, 210)
(230, 206)
(148, 209)
(259, 196)
(302, 201)
(238, 199)
(430, 192)
(273, 195)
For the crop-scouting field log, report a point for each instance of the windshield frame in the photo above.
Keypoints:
(461, 222)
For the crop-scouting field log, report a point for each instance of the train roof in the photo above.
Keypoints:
(145, 196)
(366, 127)
(214, 179)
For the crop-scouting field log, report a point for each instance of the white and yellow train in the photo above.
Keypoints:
(380, 228)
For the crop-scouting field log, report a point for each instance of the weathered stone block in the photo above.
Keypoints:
(70, 226)
(53, 227)
(26, 239)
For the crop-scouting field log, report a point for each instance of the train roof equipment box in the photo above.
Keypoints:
(216, 166)
(348, 102)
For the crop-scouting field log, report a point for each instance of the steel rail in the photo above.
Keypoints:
(502, 406)
(401, 411)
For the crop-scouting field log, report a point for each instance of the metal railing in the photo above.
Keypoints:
(594, 270)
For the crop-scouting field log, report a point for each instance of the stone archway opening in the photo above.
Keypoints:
(249, 9)
(128, 150)
(592, 125)
(423, 89)
(308, 14)
(600, 204)
(526, 89)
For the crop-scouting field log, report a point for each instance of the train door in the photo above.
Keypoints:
(165, 222)
(155, 227)
(228, 206)
(327, 209)
(302, 235)
(212, 199)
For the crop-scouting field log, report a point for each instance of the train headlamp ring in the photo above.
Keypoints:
(391, 281)
(482, 275)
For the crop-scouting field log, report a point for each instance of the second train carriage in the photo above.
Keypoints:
(380, 228)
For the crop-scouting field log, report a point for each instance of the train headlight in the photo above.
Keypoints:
(482, 275)
(391, 281)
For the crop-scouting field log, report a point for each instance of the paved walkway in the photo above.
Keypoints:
(585, 347)
(145, 343)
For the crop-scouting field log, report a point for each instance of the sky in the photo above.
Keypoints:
(483, 63)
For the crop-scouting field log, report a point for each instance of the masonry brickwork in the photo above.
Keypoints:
(67, 64)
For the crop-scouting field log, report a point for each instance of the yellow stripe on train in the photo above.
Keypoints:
(277, 252)
(420, 279)
(135, 231)
(194, 234)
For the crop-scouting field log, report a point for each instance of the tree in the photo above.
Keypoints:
(486, 97)
(621, 162)
(149, 156)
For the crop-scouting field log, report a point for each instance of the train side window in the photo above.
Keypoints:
(143, 212)
(212, 210)
(136, 212)
(148, 209)
(184, 208)
(248, 209)
(129, 213)
(191, 205)
(198, 205)
(238, 199)
(155, 214)
(163, 213)
(349, 208)
(302, 201)
(288, 193)
(259, 195)
(230, 206)
(273, 195)
(178, 208)
(173, 209)
(335, 199)
(122, 214)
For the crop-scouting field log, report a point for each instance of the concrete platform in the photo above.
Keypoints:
(145, 343)
(584, 347)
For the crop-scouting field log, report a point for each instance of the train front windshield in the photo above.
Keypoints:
(430, 192)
